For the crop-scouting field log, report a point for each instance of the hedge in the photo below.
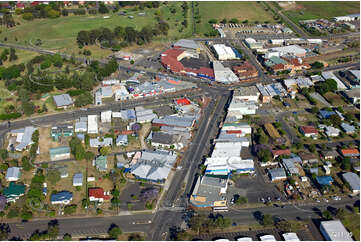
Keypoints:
(8, 116)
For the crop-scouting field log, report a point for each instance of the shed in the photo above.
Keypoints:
(78, 179)
(59, 153)
(353, 180)
(63, 197)
(13, 174)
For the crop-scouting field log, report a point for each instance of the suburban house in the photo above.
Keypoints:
(101, 163)
(63, 197)
(23, 137)
(100, 142)
(92, 124)
(277, 153)
(349, 129)
(353, 180)
(13, 174)
(63, 101)
(277, 174)
(78, 179)
(81, 125)
(59, 153)
(13, 191)
(332, 131)
(106, 116)
(324, 114)
(163, 139)
(350, 152)
(65, 131)
(122, 140)
(97, 195)
(308, 158)
(309, 131)
(329, 154)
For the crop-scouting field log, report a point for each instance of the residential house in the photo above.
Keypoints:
(332, 131)
(13, 191)
(351, 152)
(81, 125)
(58, 131)
(329, 154)
(324, 114)
(59, 153)
(163, 139)
(290, 166)
(309, 131)
(92, 124)
(13, 174)
(106, 116)
(349, 129)
(122, 140)
(101, 142)
(78, 179)
(63, 101)
(100, 163)
(277, 174)
(353, 180)
(23, 137)
(64, 197)
(277, 153)
(97, 195)
(308, 158)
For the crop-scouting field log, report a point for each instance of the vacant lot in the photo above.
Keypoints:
(315, 10)
(334, 99)
(251, 11)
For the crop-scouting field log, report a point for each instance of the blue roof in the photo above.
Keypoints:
(326, 114)
(324, 180)
(61, 196)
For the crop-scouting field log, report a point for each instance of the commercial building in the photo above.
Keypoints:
(223, 74)
(92, 124)
(174, 121)
(224, 52)
(245, 71)
(351, 17)
(290, 237)
(239, 107)
(187, 44)
(23, 137)
(144, 115)
(265, 96)
(106, 116)
(59, 153)
(209, 192)
(290, 50)
(353, 180)
(253, 44)
(63, 197)
(335, 231)
(81, 125)
(162, 139)
(63, 101)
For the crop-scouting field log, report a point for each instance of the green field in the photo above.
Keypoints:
(251, 11)
(60, 34)
(326, 9)
(352, 223)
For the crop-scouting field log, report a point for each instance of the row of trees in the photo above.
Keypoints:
(51, 10)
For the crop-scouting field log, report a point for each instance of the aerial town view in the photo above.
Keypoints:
(180, 120)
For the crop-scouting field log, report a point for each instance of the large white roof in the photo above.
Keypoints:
(335, 230)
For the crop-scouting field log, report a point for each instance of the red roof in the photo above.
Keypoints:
(169, 59)
(309, 130)
(278, 67)
(98, 193)
(281, 152)
(183, 101)
(349, 151)
(34, 3)
(20, 5)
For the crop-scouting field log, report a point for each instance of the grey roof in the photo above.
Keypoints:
(78, 178)
(122, 139)
(96, 142)
(335, 231)
(333, 153)
(353, 93)
(356, 73)
(290, 166)
(353, 179)
(13, 172)
(348, 128)
(163, 138)
(128, 114)
(26, 139)
(293, 159)
(175, 121)
(81, 125)
(214, 182)
(277, 172)
(107, 91)
(187, 43)
(210, 188)
(62, 100)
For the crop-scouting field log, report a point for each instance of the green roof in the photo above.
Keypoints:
(274, 60)
(59, 150)
(101, 162)
(14, 190)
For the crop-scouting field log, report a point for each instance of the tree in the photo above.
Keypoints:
(53, 229)
(317, 65)
(26, 214)
(70, 209)
(341, 213)
(53, 176)
(114, 231)
(234, 21)
(312, 148)
(102, 8)
(346, 164)
(67, 237)
(13, 56)
(4, 154)
(104, 150)
(267, 220)
(314, 110)
(264, 155)
(89, 156)
(4, 231)
(212, 21)
(27, 16)
(83, 99)
(327, 215)
(26, 164)
(224, 21)
(335, 120)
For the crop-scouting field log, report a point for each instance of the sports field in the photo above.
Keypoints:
(315, 10)
(251, 11)
(60, 34)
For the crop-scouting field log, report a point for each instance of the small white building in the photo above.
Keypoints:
(327, 170)
(290, 237)
(106, 116)
(335, 231)
(92, 124)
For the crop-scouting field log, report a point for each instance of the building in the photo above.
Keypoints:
(122, 140)
(350, 152)
(78, 179)
(327, 170)
(348, 18)
(63, 101)
(174, 121)
(289, 50)
(81, 125)
(290, 237)
(223, 52)
(101, 163)
(329, 154)
(277, 174)
(326, 114)
(59, 153)
(122, 94)
(335, 231)
(187, 44)
(239, 107)
(63, 197)
(162, 139)
(353, 180)
(245, 71)
(290, 166)
(332, 131)
(92, 124)
(224, 74)
(277, 153)
(13, 191)
(13, 174)
(209, 192)
(267, 237)
(308, 158)
(353, 95)
(144, 115)
(253, 44)
(329, 75)
(349, 129)
(66, 131)
(101, 142)
(309, 131)
(324, 180)
(106, 116)
(265, 97)
(23, 137)
(97, 195)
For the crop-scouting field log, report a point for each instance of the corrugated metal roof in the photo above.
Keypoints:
(63, 100)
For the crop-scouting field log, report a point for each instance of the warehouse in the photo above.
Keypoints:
(353, 180)
(290, 50)
(239, 107)
(240, 129)
(92, 124)
(187, 44)
(224, 74)
(250, 93)
(225, 165)
(335, 231)
(253, 44)
(224, 52)
(174, 121)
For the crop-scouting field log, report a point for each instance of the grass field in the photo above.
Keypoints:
(334, 99)
(23, 57)
(60, 34)
(352, 223)
(251, 11)
(326, 9)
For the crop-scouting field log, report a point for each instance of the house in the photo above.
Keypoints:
(81, 125)
(309, 131)
(97, 195)
(324, 180)
(65, 130)
(13, 191)
(23, 137)
(277, 174)
(349, 129)
(59, 153)
(92, 124)
(332, 131)
(106, 116)
(63, 101)
(290, 166)
(63, 197)
(308, 158)
(277, 153)
(350, 152)
(353, 180)
(101, 142)
(329, 154)
(78, 179)
(209, 192)
(122, 140)
(13, 174)
(144, 115)
(100, 163)
(324, 114)
(163, 139)
(334, 230)
(353, 95)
